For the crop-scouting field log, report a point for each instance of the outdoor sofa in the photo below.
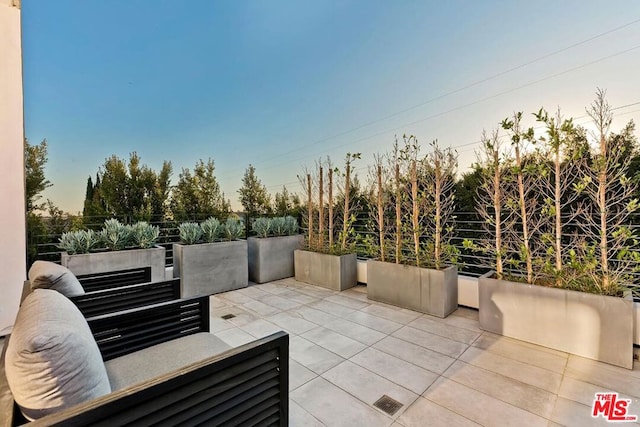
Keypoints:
(145, 365)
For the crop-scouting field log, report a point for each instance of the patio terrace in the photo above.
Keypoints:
(346, 352)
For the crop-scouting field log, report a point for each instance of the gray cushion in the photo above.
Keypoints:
(160, 359)
(52, 361)
(49, 275)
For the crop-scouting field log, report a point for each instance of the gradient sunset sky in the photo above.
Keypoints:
(280, 84)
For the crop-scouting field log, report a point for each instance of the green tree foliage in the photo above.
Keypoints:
(197, 195)
(35, 159)
(286, 203)
(129, 189)
(254, 196)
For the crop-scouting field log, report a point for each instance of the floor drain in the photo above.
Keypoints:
(228, 316)
(388, 405)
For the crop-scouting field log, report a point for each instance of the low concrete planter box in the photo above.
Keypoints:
(271, 258)
(594, 326)
(336, 272)
(99, 262)
(210, 268)
(434, 292)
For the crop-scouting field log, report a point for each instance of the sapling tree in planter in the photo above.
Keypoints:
(211, 258)
(606, 220)
(271, 251)
(421, 204)
(116, 247)
(564, 145)
(594, 325)
(329, 262)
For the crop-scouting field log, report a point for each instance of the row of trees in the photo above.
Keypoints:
(133, 190)
(559, 208)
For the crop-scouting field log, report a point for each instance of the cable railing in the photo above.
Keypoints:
(469, 227)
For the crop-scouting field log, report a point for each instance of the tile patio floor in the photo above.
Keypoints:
(346, 352)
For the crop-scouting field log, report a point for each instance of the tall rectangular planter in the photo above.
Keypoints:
(594, 326)
(210, 268)
(100, 262)
(271, 258)
(430, 291)
(336, 272)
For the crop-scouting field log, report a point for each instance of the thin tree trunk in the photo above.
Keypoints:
(558, 205)
(310, 210)
(330, 207)
(380, 214)
(415, 216)
(321, 211)
(497, 205)
(438, 216)
(347, 190)
(398, 216)
(523, 215)
(602, 205)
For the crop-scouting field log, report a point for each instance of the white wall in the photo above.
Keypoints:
(12, 210)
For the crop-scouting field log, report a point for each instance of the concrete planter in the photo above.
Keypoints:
(594, 326)
(336, 272)
(99, 262)
(210, 268)
(271, 258)
(434, 292)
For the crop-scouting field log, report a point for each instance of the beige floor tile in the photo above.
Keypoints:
(299, 297)
(354, 331)
(570, 413)
(298, 417)
(431, 341)
(260, 308)
(420, 356)
(508, 390)
(394, 369)
(391, 314)
(460, 322)
(368, 387)
(532, 375)
(291, 322)
(335, 342)
(335, 407)
(313, 315)
(426, 323)
(261, 328)
(469, 313)
(315, 291)
(273, 288)
(217, 324)
(374, 322)
(479, 407)
(253, 291)
(601, 374)
(312, 356)
(235, 297)
(299, 375)
(524, 352)
(216, 302)
(584, 393)
(235, 337)
(280, 302)
(332, 308)
(424, 412)
(358, 292)
(347, 302)
(242, 317)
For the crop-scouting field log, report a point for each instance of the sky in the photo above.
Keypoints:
(282, 83)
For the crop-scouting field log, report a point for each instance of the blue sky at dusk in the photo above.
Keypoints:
(280, 84)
